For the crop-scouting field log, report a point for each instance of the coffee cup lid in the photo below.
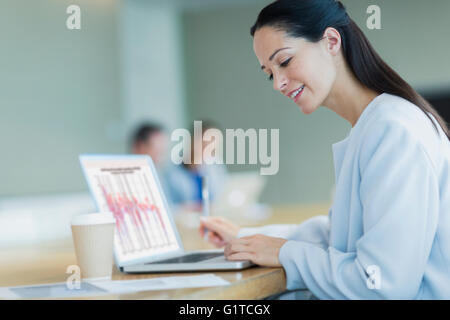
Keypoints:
(93, 218)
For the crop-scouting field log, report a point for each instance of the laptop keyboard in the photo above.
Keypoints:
(193, 257)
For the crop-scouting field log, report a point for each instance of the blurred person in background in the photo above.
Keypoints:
(151, 139)
(186, 179)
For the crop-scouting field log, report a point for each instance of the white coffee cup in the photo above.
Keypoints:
(93, 238)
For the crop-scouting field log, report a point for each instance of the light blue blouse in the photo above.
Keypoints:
(387, 233)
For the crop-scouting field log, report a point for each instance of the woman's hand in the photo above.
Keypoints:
(260, 249)
(220, 231)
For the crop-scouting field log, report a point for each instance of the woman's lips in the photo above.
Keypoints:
(298, 95)
(290, 93)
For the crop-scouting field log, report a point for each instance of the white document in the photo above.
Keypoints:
(99, 288)
(163, 283)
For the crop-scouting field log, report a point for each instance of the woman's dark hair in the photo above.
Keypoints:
(309, 19)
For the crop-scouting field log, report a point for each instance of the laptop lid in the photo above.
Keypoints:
(241, 190)
(128, 186)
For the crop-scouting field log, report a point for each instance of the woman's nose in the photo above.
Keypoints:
(279, 82)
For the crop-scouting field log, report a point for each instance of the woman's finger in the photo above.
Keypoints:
(214, 236)
(215, 239)
(241, 241)
(241, 256)
(235, 248)
(201, 229)
(206, 223)
(219, 243)
(212, 225)
(205, 226)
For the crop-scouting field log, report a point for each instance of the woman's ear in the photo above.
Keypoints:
(332, 39)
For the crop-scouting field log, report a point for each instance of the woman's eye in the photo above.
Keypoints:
(285, 63)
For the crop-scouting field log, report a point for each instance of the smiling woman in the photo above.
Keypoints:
(387, 233)
(296, 28)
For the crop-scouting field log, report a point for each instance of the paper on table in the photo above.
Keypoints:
(177, 282)
(98, 288)
(50, 290)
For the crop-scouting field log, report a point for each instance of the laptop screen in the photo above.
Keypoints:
(128, 187)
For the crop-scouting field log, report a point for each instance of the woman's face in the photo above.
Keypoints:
(301, 70)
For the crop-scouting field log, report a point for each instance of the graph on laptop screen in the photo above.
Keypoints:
(127, 188)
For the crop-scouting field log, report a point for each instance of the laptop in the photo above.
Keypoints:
(240, 192)
(146, 239)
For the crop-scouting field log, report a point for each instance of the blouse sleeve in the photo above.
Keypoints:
(399, 195)
(314, 230)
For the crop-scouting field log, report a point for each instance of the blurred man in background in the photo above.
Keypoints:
(151, 139)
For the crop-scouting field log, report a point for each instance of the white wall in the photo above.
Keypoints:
(59, 93)
(413, 39)
(152, 70)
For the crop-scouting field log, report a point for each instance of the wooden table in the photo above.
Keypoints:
(47, 263)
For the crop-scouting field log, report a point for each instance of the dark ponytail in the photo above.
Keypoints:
(309, 19)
